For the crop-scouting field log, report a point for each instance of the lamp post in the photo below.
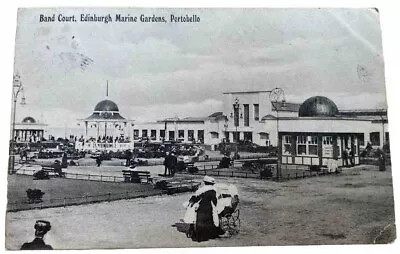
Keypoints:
(17, 88)
(235, 115)
(226, 127)
(277, 95)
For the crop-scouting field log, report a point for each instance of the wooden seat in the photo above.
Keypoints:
(133, 176)
(50, 169)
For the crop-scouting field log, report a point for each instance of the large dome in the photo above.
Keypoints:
(106, 105)
(29, 119)
(318, 106)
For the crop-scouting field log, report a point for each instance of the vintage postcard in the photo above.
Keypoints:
(156, 128)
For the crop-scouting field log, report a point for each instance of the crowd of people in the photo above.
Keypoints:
(106, 139)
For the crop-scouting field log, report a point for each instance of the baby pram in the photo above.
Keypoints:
(227, 209)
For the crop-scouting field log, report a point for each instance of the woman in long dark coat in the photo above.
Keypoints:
(206, 226)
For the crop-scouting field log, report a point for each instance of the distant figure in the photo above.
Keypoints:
(381, 160)
(98, 161)
(167, 163)
(64, 161)
(345, 157)
(368, 147)
(128, 157)
(352, 158)
(41, 228)
(57, 168)
(174, 163)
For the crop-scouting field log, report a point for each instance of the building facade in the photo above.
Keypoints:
(29, 131)
(249, 116)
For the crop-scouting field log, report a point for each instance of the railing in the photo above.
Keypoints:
(374, 160)
(294, 173)
(89, 177)
(79, 200)
(157, 162)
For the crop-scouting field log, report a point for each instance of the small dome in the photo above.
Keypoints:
(106, 105)
(318, 106)
(29, 119)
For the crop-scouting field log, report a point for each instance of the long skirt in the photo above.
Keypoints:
(205, 228)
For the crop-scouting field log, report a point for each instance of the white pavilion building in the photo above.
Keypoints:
(106, 130)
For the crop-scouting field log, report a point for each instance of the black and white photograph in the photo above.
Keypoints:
(198, 127)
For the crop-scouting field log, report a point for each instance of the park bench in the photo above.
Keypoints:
(133, 176)
(50, 169)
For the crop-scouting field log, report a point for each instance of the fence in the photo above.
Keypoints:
(153, 162)
(79, 200)
(374, 160)
(295, 172)
(90, 177)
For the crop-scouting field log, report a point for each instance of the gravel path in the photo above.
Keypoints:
(353, 207)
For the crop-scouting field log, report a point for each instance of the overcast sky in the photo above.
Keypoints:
(158, 70)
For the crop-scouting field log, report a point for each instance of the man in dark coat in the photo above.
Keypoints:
(167, 164)
(345, 157)
(41, 228)
(57, 168)
(64, 161)
(98, 160)
(174, 163)
(128, 157)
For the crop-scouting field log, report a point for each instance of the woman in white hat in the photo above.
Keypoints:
(207, 222)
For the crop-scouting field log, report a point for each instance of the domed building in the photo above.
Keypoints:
(29, 130)
(321, 135)
(106, 129)
(318, 106)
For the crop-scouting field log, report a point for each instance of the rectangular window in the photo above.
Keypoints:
(246, 110)
(181, 133)
(162, 133)
(144, 133)
(375, 138)
(313, 145)
(135, 133)
(248, 136)
(264, 135)
(236, 115)
(301, 145)
(327, 146)
(287, 145)
(361, 140)
(256, 112)
(200, 136)
(153, 134)
(327, 140)
(190, 135)
(171, 135)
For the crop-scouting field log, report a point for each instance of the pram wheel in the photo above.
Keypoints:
(230, 223)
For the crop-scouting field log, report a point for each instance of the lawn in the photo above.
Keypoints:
(74, 191)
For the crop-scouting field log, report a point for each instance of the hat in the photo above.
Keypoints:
(42, 225)
(208, 179)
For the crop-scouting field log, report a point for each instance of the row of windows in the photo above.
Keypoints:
(181, 134)
(308, 145)
(305, 145)
(246, 114)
